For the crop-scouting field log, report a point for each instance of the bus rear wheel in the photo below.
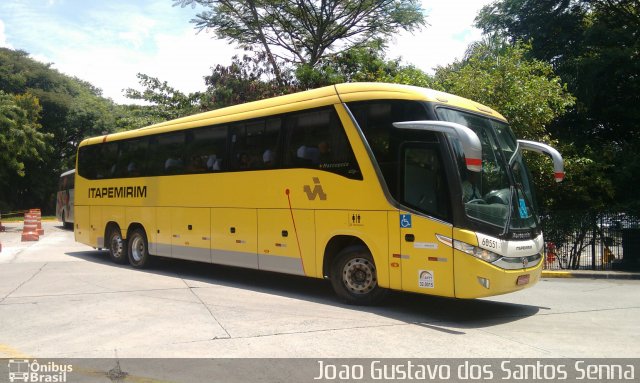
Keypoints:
(139, 249)
(354, 277)
(116, 245)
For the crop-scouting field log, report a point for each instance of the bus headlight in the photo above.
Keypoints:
(483, 254)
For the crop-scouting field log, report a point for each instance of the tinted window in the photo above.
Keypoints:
(375, 119)
(167, 152)
(107, 160)
(87, 167)
(132, 158)
(316, 139)
(424, 185)
(205, 149)
(255, 144)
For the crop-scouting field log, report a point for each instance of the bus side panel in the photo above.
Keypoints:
(234, 237)
(369, 226)
(278, 241)
(190, 234)
(113, 214)
(82, 225)
(162, 234)
(96, 235)
(146, 217)
(427, 264)
(395, 264)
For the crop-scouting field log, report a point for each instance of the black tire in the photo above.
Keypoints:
(354, 277)
(139, 249)
(116, 245)
(65, 224)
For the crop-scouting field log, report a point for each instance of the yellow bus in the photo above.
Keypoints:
(372, 186)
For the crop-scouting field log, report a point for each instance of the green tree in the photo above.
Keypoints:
(247, 78)
(529, 94)
(500, 75)
(361, 64)
(69, 110)
(21, 139)
(168, 102)
(594, 46)
(305, 31)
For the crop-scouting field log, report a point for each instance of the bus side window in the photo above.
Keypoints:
(424, 183)
(107, 158)
(87, 164)
(248, 145)
(269, 144)
(170, 152)
(316, 139)
(306, 131)
(134, 153)
(206, 149)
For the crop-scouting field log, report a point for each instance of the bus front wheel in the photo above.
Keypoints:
(139, 249)
(117, 246)
(354, 277)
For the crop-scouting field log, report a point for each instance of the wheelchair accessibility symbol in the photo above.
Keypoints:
(405, 221)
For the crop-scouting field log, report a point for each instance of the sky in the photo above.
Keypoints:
(108, 42)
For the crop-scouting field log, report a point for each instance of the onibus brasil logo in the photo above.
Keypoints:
(23, 370)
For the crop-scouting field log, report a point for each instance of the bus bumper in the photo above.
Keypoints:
(476, 279)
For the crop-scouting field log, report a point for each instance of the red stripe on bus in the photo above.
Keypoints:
(474, 161)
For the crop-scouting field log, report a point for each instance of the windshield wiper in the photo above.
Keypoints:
(507, 223)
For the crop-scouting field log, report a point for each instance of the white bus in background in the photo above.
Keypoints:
(64, 198)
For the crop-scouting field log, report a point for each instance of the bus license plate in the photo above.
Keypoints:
(523, 280)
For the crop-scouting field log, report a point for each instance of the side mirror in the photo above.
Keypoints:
(468, 138)
(539, 147)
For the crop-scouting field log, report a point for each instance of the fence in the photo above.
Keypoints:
(592, 241)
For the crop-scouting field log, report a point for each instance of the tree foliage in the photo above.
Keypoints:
(362, 64)
(169, 102)
(532, 97)
(20, 132)
(500, 75)
(594, 46)
(45, 114)
(305, 31)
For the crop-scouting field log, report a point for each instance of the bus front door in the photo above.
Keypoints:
(427, 264)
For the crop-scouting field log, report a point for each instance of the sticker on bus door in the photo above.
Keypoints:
(405, 221)
(425, 279)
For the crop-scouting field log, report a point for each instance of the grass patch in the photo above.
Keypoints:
(20, 218)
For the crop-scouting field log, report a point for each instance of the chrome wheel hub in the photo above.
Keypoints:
(359, 276)
(137, 249)
(116, 246)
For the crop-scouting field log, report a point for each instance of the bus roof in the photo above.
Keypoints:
(346, 92)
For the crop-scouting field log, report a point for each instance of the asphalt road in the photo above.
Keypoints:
(62, 299)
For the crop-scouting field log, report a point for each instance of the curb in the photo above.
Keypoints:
(587, 274)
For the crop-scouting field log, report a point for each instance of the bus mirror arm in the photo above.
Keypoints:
(468, 138)
(558, 162)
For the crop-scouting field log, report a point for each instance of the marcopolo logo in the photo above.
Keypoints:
(316, 192)
(23, 370)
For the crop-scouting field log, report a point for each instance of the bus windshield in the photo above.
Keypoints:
(502, 193)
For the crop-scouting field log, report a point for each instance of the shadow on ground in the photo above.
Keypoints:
(442, 314)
